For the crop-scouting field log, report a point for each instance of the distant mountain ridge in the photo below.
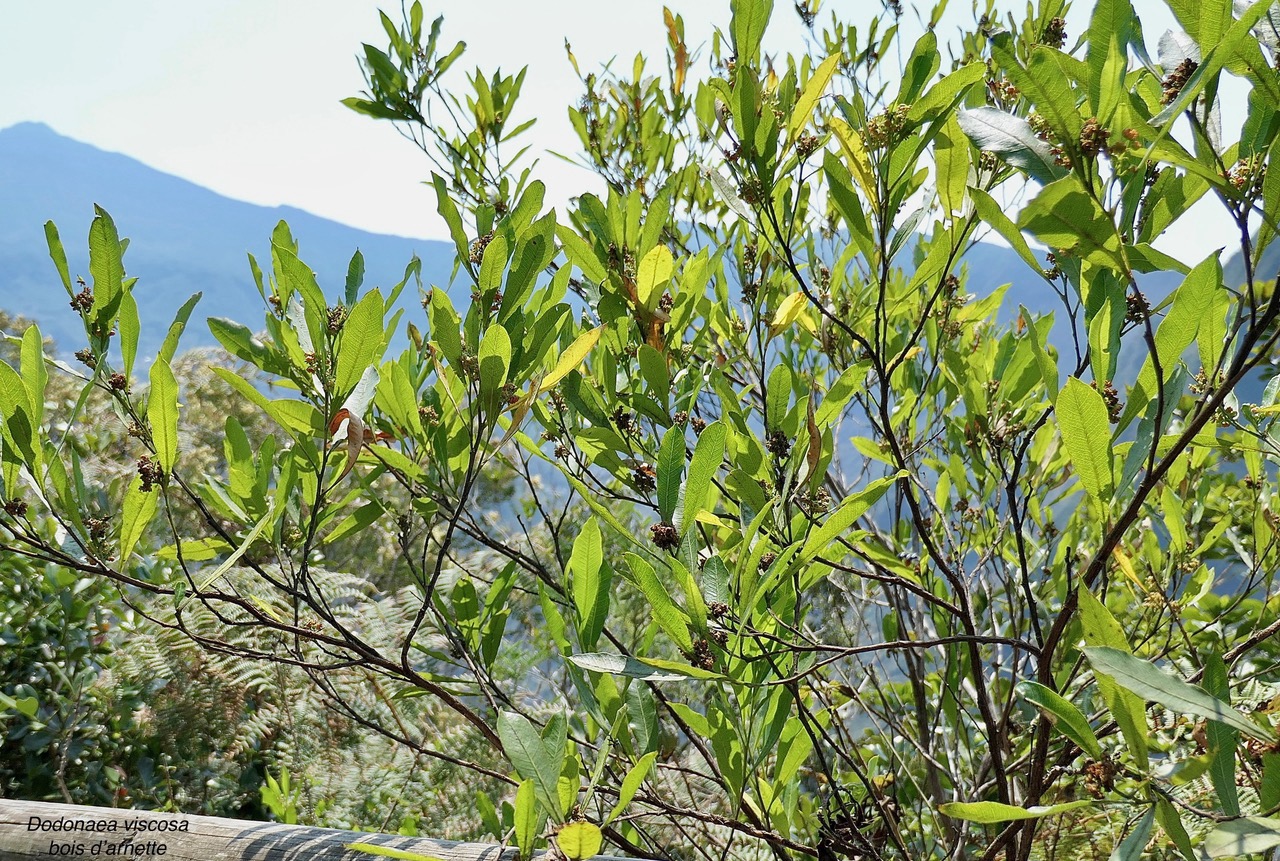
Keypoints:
(184, 239)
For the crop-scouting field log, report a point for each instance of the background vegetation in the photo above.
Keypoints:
(730, 517)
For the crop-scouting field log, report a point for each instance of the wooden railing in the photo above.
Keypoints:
(32, 829)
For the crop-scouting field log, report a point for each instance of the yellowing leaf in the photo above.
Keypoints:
(654, 271)
(813, 91)
(788, 312)
(572, 357)
(859, 163)
(579, 840)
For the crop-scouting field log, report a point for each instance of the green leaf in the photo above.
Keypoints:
(35, 376)
(951, 155)
(162, 414)
(845, 516)
(293, 415)
(445, 325)
(1189, 308)
(670, 618)
(1100, 628)
(129, 329)
(808, 100)
(267, 519)
(590, 589)
(170, 345)
(1107, 58)
(579, 840)
(750, 19)
(1130, 848)
(670, 473)
(1222, 739)
(527, 821)
(1147, 681)
(1048, 367)
(1086, 433)
(494, 355)
(238, 340)
(28, 706)
(137, 511)
(646, 669)
(59, 256)
(942, 96)
(631, 784)
(532, 757)
(989, 812)
(652, 276)
(993, 215)
(572, 357)
(1012, 139)
(362, 341)
(1065, 217)
(581, 254)
(707, 456)
(1067, 718)
(355, 277)
(106, 267)
(389, 852)
(1251, 835)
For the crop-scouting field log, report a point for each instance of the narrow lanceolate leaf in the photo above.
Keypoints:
(176, 328)
(670, 618)
(653, 274)
(129, 329)
(1130, 848)
(1086, 433)
(389, 852)
(526, 818)
(987, 812)
(842, 519)
(1222, 739)
(162, 413)
(813, 91)
(1068, 719)
(1100, 628)
(59, 256)
(1012, 139)
(1064, 216)
(572, 357)
(707, 455)
(138, 510)
(670, 473)
(590, 589)
(252, 536)
(531, 756)
(646, 669)
(106, 267)
(361, 343)
(631, 783)
(1251, 835)
(1149, 682)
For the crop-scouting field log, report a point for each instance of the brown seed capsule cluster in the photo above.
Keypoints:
(702, 656)
(429, 415)
(698, 425)
(82, 301)
(337, 315)
(1173, 83)
(87, 357)
(150, 473)
(1110, 397)
(1055, 33)
(1099, 777)
(15, 507)
(717, 609)
(887, 128)
(1093, 137)
(118, 383)
(1247, 174)
(644, 477)
(1136, 307)
(478, 247)
(664, 535)
(806, 144)
(778, 444)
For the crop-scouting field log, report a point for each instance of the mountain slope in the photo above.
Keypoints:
(184, 239)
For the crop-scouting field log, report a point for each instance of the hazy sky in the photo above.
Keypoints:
(242, 96)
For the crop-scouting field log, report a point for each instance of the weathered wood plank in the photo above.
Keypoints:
(31, 829)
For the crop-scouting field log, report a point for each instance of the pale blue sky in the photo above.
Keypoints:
(242, 96)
